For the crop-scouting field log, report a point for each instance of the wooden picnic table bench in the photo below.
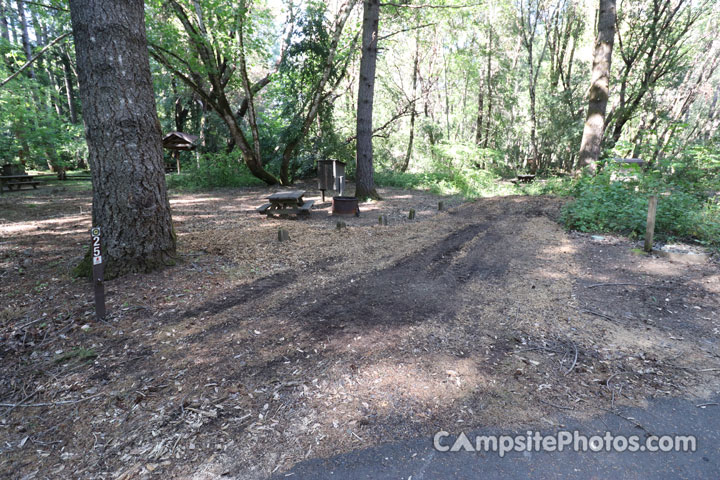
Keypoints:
(17, 181)
(283, 204)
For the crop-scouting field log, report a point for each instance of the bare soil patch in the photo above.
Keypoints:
(251, 355)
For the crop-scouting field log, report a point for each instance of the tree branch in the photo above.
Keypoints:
(194, 86)
(403, 5)
(35, 57)
(51, 7)
(402, 113)
(406, 30)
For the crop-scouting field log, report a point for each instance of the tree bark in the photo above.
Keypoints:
(365, 181)
(27, 48)
(130, 202)
(534, 161)
(529, 28)
(11, 24)
(4, 31)
(413, 113)
(488, 81)
(479, 117)
(252, 116)
(599, 87)
(69, 89)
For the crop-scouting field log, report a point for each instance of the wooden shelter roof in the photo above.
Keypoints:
(179, 141)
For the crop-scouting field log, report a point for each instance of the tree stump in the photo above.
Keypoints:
(411, 215)
(441, 206)
(283, 235)
(382, 220)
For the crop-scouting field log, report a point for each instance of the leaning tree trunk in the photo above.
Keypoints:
(365, 182)
(413, 112)
(599, 87)
(130, 202)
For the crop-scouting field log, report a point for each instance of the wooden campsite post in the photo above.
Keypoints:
(650, 228)
(98, 269)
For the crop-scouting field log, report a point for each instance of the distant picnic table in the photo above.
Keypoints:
(17, 182)
(286, 204)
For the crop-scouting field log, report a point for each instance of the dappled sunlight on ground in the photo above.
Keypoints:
(252, 354)
(192, 200)
(53, 224)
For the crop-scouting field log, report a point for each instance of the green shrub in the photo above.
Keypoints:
(470, 182)
(215, 170)
(606, 204)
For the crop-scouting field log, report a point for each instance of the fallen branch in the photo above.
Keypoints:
(628, 419)
(698, 370)
(612, 390)
(9, 410)
(624, 284)
(31, 323)
(556, 406)
(50, 404)
(598, 314)
(706, 404)
(574, 361)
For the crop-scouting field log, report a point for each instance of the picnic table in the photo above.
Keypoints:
(283, 204)
(17, 181)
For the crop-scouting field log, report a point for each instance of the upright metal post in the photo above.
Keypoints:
(98, 270)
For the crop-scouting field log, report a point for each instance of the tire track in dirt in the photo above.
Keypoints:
(425, 284)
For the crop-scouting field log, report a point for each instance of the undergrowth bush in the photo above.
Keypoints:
(469, 181)
(608, 202)
(216, 170)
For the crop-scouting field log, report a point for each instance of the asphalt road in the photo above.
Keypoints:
(417, 459)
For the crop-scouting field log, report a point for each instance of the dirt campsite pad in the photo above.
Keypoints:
(251, 354)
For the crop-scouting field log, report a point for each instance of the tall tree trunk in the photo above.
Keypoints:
(130, 202)
(534, 161)
(4, 31)
(11, 23)
(599, 87)
(40, 40)
(251, 116)
(479, 118)
(413, 112)
(365, 181)
(27, 48)
(41, 103)
(202, 127)
(181, 115)
(69, 88)
(488, 81)
(319, 96)
(446, 92)
(528, 31)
